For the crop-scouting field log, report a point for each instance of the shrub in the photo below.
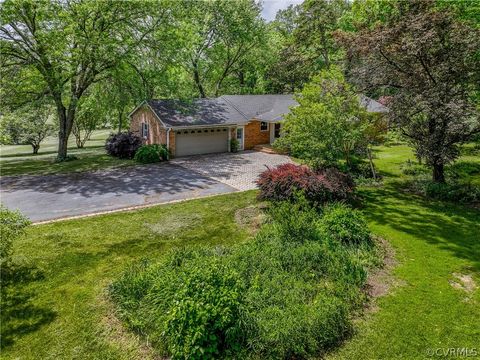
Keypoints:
(234, 145)
(203, 323)
(152, 153)
(123, 145)
(344, 224)
(12, 225)
(414, 169)
(189, 303)
(458, 192)
(318, 186)
(286, 294)
(294, 221)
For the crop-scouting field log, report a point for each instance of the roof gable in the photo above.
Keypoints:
(232, 109)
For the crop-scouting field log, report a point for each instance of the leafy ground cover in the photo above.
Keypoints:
(18, 159)
(287, 293)
(58, 308)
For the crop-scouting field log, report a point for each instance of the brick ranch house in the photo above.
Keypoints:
(206, 126)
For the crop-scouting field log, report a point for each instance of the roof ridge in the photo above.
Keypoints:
(235, 107)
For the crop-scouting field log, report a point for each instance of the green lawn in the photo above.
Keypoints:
(432, 240)
(18, 159)
(63, 312)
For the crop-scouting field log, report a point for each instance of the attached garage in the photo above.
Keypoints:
(201, 141)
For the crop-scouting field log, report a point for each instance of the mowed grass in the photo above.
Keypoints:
(433, 241)
(18, 159)
(63, 312)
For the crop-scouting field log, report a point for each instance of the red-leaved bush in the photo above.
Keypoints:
(320, 186)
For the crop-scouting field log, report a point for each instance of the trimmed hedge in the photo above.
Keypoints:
(320, 186)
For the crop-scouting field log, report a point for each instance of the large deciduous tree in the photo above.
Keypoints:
(219, 35)
(429, 63)
(60, 48)
(317, 21)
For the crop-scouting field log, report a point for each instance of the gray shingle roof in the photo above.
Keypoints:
(262, 107)
(233, 109)
(372, 106)
(199, 112)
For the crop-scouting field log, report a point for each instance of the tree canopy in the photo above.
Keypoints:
(427, 61)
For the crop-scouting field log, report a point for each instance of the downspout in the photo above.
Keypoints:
(168, 138)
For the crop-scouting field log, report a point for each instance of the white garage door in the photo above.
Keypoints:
(204, 141)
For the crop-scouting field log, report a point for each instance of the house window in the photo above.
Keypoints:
(145, 130)
(263, 126)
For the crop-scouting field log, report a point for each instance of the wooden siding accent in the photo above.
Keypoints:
(157, 133)
(254, 136)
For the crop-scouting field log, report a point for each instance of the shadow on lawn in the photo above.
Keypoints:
(449, 226)
(19, 314)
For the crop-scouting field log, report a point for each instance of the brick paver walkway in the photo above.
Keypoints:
(239, 170)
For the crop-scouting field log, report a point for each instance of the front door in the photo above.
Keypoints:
(240, 136)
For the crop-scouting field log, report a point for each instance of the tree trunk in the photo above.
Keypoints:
(196, 76)
(62, 134)
(120, 121)
(372, 165)
(438, 173)
(35, 149)
(65, 122)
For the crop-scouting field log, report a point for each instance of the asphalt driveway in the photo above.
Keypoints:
(56, 196)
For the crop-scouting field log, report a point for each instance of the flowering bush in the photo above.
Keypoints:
(320, 186)
(123, 145)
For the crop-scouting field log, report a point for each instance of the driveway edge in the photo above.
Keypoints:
(130, 208)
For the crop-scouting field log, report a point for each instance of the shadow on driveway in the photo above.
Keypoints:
(53, 196)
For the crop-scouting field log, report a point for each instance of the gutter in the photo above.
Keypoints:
(201, 126)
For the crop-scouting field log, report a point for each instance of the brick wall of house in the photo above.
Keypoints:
(254, 136)
(157, 134)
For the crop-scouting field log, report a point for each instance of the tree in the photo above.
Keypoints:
(428, 62)
(317, 21)
(291, 68)
(328, 125)
(90, 114)
(31, 125)
(60, 48)
(219, 34)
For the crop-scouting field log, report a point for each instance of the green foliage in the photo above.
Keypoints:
(151, 153)
(234, 145)
(329, 125)
(29, 125)
(454, 191)
(204, 321)
(434, 119)
(12, 225)
(191, 302)
(344, 224)
(289, 293)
